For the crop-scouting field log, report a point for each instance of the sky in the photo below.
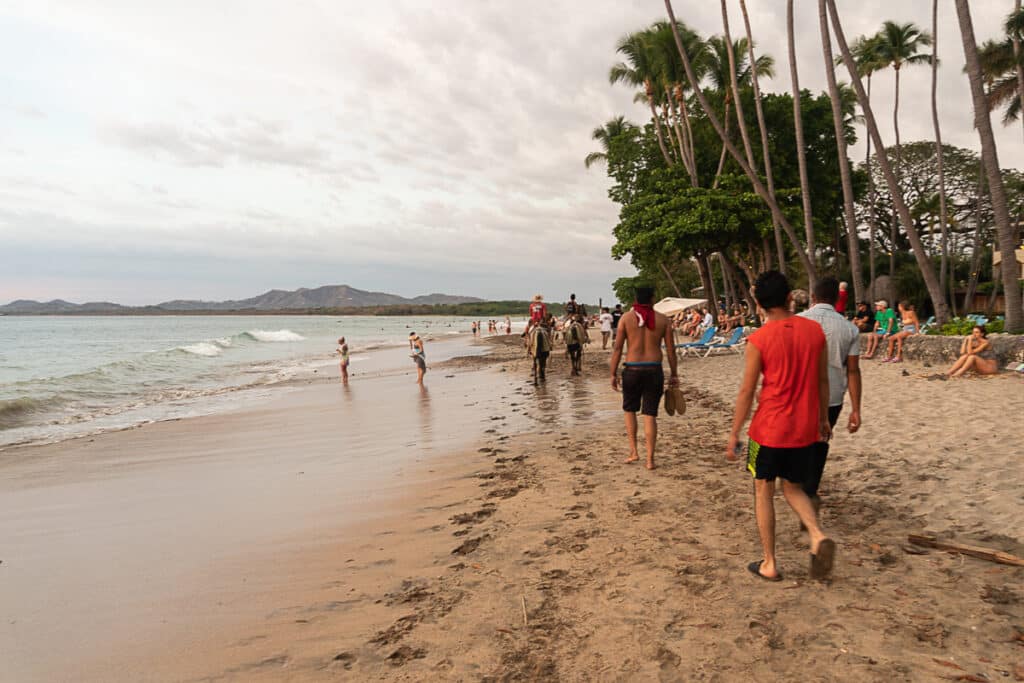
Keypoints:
(154, 151)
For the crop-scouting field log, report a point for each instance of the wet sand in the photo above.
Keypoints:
(534, 553)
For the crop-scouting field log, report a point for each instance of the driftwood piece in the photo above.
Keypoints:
(972, 550)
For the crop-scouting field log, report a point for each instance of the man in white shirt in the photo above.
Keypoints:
(606, 326)
(842, 341)
(709, 320)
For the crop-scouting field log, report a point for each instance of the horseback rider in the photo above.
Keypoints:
(538, 311)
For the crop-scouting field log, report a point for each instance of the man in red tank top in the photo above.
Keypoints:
(788, 355)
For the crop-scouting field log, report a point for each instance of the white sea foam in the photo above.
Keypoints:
(207, 349)
(223, 342)
(274, 335)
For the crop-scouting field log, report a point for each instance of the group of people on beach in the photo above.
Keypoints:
(493, 327)
(805, 365)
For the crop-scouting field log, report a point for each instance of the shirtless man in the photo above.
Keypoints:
(642, 330)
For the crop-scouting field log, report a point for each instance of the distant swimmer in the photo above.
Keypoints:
(419, 356)
(343, 352)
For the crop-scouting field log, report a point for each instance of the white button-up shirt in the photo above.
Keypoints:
(842, 339)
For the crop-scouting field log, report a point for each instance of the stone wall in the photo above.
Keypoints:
(1009, 348)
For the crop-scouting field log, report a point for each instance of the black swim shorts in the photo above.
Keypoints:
(642, 387)
(421, 363)
(766, 462)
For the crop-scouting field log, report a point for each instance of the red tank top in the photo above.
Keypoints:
(787, 411)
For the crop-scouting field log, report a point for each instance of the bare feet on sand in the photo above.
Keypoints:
(633, 457)
(650, 465)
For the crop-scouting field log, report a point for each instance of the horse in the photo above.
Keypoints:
(575, 334)
(538, 347)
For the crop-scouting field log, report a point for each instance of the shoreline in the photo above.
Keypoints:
(538, 554)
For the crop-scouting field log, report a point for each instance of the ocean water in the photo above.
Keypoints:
(62, 377)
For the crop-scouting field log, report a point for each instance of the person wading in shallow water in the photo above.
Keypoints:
(343, 352)
(642, 330)
(788, 352)
(419, 356)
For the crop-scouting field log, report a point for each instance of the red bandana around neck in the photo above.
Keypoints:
(645, 312)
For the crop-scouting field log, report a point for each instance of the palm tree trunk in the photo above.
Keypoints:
(667, 123)
(894, 223)
(671, 280)
(657, 126)
(1005, 232)
(684, 109)
(871, 212)
(801, 148)
(972, 280)
(707, 280)
(763, 129)
(681, 137)
(742, 289)
(920, 254)
(943, 216)
(843, 156)
(725, 145)
(734, 82)
(759, 188)
(1017, 61)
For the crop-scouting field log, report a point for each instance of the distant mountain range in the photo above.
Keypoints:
(330, 296)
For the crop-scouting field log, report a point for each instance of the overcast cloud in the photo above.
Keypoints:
(151, 151)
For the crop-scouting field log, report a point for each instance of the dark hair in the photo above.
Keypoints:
(865, 304)
(826, 290)
(572, 296)
(981, 328)
(412, 334)
(605, 309)
(907, 306)
(644, 295)
(771, 289)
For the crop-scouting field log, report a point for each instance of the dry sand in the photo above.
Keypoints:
(538, 555)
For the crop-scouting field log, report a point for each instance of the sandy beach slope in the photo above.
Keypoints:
(538, 555)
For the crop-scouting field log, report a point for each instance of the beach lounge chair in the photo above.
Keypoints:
(928, 324)
(735, 343)
(702, 343)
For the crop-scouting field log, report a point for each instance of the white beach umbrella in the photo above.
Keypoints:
(672, 305)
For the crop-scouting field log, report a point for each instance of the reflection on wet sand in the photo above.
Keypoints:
(426, 416)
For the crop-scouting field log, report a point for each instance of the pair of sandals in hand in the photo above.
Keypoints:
(675, 401)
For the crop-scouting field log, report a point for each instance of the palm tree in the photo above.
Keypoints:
(639, 70)
(900, 44)
(719, 73)
(938, 146)
(1015, 28)
(865, 52)
(990, 159)
(734, 86)
(924, 263)
(759, 111)
(839, 123)
(604, 136)
(755, 181)
(671, 77)
(801, 148)
(1002, 64)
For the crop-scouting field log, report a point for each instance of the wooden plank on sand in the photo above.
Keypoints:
(972, 550)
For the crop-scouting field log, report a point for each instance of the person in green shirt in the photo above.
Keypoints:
(886, 324)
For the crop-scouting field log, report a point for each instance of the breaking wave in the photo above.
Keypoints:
(273, 335)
